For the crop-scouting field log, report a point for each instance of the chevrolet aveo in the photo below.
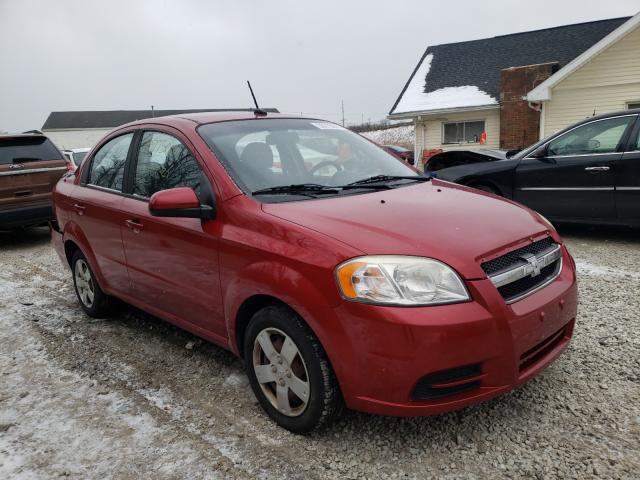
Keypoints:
(339, 274)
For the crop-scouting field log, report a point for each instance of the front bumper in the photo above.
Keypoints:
(389, 350)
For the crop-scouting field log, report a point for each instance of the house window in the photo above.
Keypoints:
(462, 132)
(633, 105)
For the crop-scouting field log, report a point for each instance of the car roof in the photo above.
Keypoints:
(201, 118)
(631, 111)
(21, 135)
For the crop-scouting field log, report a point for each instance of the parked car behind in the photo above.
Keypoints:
(317, 273)
(404, 153)
(587, 173)
(30, 165)
(76, 155)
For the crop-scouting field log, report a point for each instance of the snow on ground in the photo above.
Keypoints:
(402, 135)
(415, 99)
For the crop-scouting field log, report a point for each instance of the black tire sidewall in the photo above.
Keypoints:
(287, 321)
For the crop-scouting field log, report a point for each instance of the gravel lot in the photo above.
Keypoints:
(135, 397)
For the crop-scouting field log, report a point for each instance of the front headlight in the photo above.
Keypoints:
(400, 280)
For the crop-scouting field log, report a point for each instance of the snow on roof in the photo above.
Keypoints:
(415, 99)
(467, 74)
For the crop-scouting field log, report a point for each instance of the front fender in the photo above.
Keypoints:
(314, 301)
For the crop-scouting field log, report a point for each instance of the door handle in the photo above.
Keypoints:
(134, 225)
(597, 169)
(79, 208)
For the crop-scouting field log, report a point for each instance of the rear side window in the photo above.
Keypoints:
(164, 163)
(107, 167)
(27, 149)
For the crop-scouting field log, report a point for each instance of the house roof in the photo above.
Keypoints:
(467, 74)
(115, 118)
(543, 91)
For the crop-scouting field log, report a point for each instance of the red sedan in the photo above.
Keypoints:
(296, 244)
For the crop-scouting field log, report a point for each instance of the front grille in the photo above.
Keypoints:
(527, 284)
(448, 382)
(533, 355)
(522, 283)
(510, 259)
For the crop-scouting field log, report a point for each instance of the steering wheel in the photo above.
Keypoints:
(325, 163)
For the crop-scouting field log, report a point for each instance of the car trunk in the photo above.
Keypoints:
(30, 166)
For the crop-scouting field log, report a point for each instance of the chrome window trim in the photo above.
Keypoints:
(568, 189)
(106, 189)
(33, 170)
(539, 287)
(628, 189)
(545, 259)
(578, 126)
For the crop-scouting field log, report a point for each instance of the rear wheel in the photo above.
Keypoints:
(92, 299)
(289, 371)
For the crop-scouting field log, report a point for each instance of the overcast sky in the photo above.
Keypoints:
(301, 56)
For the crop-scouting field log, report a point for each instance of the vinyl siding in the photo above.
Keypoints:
(606, 83)
(429, 131)
(77, 138)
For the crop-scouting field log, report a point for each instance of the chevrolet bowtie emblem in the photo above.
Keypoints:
(533, 261)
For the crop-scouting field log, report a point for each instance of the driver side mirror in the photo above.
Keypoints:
(179, 202)
(541, 153)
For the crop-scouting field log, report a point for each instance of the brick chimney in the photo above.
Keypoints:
(519, 123)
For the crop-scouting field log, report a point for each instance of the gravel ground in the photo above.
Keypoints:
(135, 397)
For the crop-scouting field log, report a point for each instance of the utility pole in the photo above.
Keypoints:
(343, 113)
(152, 113)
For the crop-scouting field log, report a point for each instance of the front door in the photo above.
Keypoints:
(172, 262)
(575, 178)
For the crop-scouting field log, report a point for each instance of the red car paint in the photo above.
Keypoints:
(198, 274)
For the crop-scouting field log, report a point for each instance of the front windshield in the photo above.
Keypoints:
(267, 153)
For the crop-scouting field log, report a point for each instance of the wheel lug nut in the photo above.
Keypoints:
(281, 382)
(280, 360)
(289, 373)
(274, 369)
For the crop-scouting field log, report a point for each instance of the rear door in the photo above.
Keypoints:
(172, 262)
(97, 208)
(576, 177)
(628, 179)
(30, 165)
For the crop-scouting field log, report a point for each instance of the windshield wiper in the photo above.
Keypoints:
(297, 189)
(388, 178)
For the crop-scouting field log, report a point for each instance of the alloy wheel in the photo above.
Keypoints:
(84, 283)
(281, 371)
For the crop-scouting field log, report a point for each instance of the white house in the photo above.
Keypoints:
(511, 90)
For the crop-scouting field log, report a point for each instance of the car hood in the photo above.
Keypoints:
(437, 219)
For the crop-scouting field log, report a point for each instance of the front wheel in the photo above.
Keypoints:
(289, 371)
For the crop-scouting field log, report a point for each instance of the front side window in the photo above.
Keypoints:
(107, 167)
(163, 163)
(462, 132)
(602, 136)
(266, 153)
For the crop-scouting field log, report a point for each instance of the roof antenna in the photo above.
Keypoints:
(258, 110)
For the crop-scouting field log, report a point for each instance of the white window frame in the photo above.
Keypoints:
(635, 103)
(442, 124)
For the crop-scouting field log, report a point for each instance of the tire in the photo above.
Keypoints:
(302, 368)
(92, 299)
